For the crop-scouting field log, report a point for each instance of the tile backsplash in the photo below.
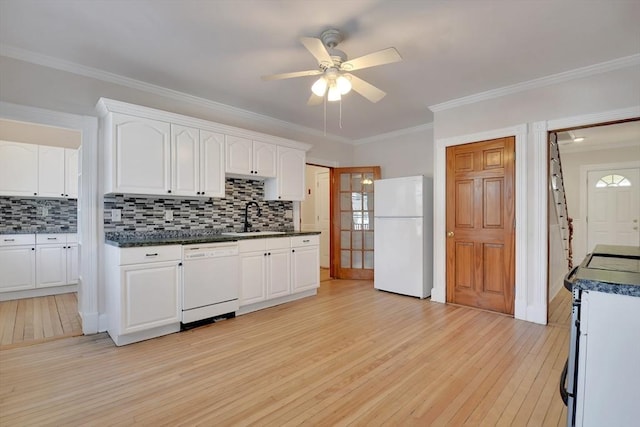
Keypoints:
(31, 215)
(148, 213)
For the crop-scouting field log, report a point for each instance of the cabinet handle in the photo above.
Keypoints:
(35, 194)
(269, 253)
(52, 238)
(156, 254)
(168, 191)
(33, 249)
(9, 240)
(179, 264)
(62, 194)
(293, 250)
(265, 254)
(305, 241)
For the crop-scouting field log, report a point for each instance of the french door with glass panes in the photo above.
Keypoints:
(352, 214)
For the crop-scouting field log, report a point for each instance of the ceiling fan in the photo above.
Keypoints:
(336, 79)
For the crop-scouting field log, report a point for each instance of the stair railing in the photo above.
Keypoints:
(559, 198)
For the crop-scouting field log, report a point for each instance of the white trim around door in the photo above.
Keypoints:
(438, 293)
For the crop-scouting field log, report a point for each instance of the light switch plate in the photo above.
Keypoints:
(116, 215)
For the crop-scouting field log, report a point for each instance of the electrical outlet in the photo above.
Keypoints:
(116, 215)
(168, 215)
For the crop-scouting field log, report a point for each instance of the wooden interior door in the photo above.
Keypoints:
(481, 224)
(352, 219)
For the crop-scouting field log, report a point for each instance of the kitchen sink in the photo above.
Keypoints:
(253, 233)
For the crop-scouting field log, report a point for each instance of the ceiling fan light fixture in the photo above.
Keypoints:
(344, 85)
(334, 93)
(319, 87)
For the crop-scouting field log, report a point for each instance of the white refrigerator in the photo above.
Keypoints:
(403, 235)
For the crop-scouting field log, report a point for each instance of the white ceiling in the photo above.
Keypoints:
(626, 134)
(218, 49)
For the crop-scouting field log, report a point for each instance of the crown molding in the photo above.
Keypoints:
(82, 70)
(394, 134)
(602, 67)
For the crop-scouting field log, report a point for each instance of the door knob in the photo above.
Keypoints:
(450, 234)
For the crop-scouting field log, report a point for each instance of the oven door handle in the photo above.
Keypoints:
(564, 393)
(568, 279)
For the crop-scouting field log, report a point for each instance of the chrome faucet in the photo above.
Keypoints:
(247, 224)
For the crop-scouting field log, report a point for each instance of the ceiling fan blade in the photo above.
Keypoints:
(315, 100)
(365, 89)
(291, 75)
(381, 57)
(317, 49)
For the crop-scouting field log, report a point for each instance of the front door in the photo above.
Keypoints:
(481, 224)
(352, 213)
(613, 207)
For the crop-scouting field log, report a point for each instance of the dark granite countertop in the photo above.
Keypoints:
(608, 288)
(152, 238)
(40, 231)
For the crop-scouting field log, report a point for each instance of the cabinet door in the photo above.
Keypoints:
(150, 296)
(142, 155)
(252, 277)
(50, 171)
(289, 184)
(306, 268)
(51, 265)
(238, 154)
(279, 281)
(72, 264)
(18, 169)
(185, 165)
(212, 164)
(71, 173)
(264, 159)
(18, 267)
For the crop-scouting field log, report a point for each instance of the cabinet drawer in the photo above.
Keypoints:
(17, 239)
(252, 245)
(145, 254)
(72, 238)
(44, 239)
(279, 243)
(299, 241)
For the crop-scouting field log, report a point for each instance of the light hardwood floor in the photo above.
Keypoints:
(33, 320)
(349, 356)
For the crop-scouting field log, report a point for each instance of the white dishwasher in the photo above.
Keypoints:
(210, 282)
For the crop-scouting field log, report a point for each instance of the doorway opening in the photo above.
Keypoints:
(601, 206)
(315, 212)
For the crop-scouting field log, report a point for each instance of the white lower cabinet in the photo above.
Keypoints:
(277, 270)
(264, 269)
(56, 260)
(305, 263)
(17, 262)
(143, 292)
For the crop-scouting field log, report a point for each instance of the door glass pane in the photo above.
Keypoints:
(356, 201)
(356, 259)
(345, 240)
(356, 182)
(368, 259)
(368, 240)
(345, 259)
(345, 201)
(345, 220)
(345, 182)
(356, 239)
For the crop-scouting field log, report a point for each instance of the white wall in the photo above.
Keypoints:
(571, 163)
(33, 85)
(401, 155)
(601, 93)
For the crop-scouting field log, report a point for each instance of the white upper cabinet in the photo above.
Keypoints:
(140, 153)
(197, 167)
(159, 153)
(185, 165)
(18, 169)
(51, 177)
(31, 170)
(289, 182)
(71, 173)
(250, 158)
(211, 164)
